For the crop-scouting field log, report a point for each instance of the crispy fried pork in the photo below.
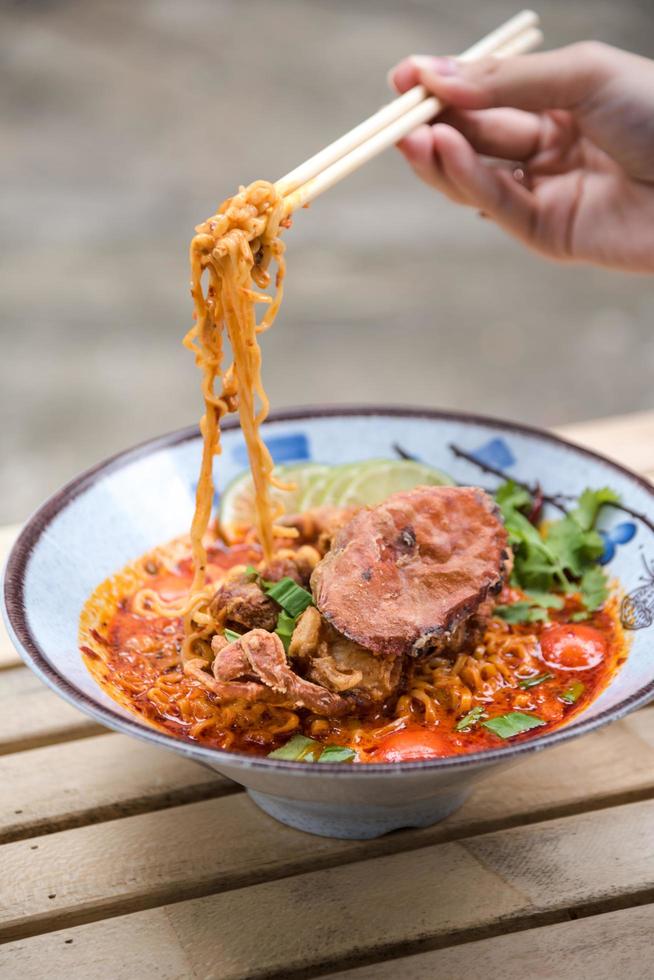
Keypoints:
(406, 575)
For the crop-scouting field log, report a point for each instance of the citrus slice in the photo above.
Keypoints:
(236, 511)
(378, 479)
(318, 485)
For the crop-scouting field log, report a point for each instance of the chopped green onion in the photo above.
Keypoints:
(579, 617)
(289, 595)
(337, 753)
(513, 723)
(573, 693)
(527, 682)
(473, 716)
(232, 636)
(251, 571)
(285, 627)
(296, 749)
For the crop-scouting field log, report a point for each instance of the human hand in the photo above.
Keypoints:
(576, 125)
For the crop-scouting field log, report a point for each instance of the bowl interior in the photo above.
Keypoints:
(145, 496)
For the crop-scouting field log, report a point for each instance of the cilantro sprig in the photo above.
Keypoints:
(560, 558)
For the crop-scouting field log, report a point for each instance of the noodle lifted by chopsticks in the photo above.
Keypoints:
(235, 247)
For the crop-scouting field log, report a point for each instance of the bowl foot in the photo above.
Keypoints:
(357, 821)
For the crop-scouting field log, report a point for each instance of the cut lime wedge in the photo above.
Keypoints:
(318, 485)
(236, 509)
(378, 479)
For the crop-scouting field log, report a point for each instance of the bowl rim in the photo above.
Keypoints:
(35, 657)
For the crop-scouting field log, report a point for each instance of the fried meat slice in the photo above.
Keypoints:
(405, 575)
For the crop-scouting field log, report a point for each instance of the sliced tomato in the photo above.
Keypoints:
(411, 744)
(572, 646)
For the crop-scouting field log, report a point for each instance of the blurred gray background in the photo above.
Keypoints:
(125, 122)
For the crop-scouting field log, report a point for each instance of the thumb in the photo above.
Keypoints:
(561, 79)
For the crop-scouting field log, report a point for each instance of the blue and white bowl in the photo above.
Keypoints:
(143, 497)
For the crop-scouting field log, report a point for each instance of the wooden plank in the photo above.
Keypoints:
(123, 866)
(628, 439)
(31, 715)
(112, 776)
(616, 944)
(641, 723)
(388, 906)
(8, 655)
(116, 949)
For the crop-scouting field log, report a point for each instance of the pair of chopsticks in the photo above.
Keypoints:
(397, 119)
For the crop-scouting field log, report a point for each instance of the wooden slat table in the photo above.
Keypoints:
(122, 861)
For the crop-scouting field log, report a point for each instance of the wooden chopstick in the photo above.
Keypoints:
(396, 120)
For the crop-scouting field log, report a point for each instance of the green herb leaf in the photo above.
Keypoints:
(285, 627)
(513, 723)
(573, 693)
(297, 749)
(232, 636)
(558, 560)
(579, 617)
(594, 587)
(291, 597)
(471, 719)
(521, 612)
(567, 542)
(528, 682)
(337, 753)
(548, 600)
(300, 748)
(510, 497)
(589, 504)
(251, 571)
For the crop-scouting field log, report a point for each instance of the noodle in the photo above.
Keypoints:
(234, 247)
(504, 655)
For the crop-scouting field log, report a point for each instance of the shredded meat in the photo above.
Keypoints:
(402, 577)
(330, 659)
(240, 602)
(254, 668)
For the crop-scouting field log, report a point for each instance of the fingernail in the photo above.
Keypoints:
(390, 78)
(437, 66)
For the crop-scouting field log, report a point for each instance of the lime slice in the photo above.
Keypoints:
(236, 510)
(378, 479)
(338, 483)
(317, 485)
(314, 490)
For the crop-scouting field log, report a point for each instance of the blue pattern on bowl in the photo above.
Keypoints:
(290, 448)
(622, 533)
(494, 453)
(145, 496)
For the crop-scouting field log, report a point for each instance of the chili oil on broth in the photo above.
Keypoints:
(132, 636)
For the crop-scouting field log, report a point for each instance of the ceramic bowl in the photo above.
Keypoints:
(142, 497)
